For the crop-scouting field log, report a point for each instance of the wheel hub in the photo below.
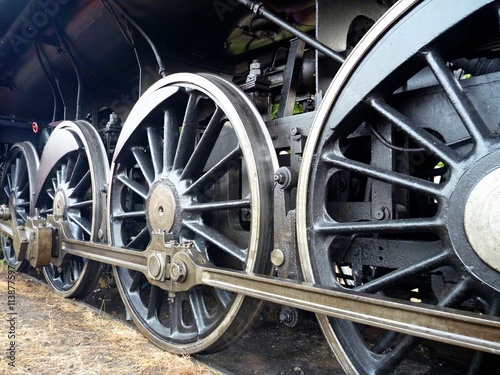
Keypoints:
(60, 204)
(162, 206)
(482, 219)
(473, 220)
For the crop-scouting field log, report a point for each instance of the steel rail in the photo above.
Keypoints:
(427, 321)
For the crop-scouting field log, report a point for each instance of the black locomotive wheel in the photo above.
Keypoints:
(73, 170)
(18, 181)
(400, 194)
(193, 161)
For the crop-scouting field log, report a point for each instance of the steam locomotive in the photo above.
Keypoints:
(334, 156)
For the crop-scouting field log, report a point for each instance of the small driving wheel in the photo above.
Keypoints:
(18, 181)
(399, 191)
(73, 170)
(193, 161)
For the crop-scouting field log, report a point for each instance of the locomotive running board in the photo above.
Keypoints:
(427, 321)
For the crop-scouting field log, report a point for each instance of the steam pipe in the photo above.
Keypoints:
(259, 9)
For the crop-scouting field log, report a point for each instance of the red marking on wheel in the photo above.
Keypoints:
(34, 127)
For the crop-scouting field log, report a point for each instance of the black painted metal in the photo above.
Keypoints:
(427, 210)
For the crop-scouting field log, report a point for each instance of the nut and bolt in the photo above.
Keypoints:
(381, 213)
(289, 316)
(155, 266)
(285, 178)
(246, 213)
(178, 272)
(277, 257)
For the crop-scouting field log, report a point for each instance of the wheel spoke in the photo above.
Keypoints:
(218, 206)
(456, 295)
(155, 301)
(388, 226)
(15, 172)
(156, 149)
(397, 354)
(81, 204)
(83, 186)
(141, 190)
(138, 281)
(458, 98)
(409, 182)
(78, 171)
(188, 134)
(51, 194)
(9, 182)
(401, 274)
(416, 132)
(25, 190)
(198, 159)
(129, 215)
(58, 178)
(22, 214)
(170, 139)
(177, 317)
(144, 164)
(209, 179)
(223, 297)
(200, 312)
(81, 222)
(140, 239)
(218, 239)
(18, 171)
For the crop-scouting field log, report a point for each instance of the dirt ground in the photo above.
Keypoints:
(61, 337)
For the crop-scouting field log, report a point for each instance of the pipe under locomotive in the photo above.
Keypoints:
(339, 157)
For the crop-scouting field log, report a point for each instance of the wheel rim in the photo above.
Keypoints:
(349, 174)
(197, 189)
(18, 179)
(72, 172)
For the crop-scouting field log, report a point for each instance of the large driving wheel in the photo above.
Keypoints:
(400, 187)
(193, 161)
(73, 171)
(18, 181)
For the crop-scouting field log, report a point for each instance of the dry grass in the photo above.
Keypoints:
(57, 336)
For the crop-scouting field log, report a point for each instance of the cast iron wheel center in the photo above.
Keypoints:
(482, 219)
(162, 206)
(60, 204)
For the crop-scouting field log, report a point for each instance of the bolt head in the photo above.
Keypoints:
(178, 272)
(155, 266)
